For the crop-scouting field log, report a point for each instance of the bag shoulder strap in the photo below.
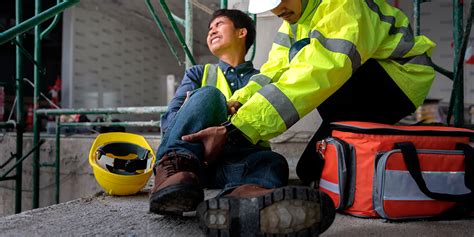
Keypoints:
(413, 165)
(464, 203)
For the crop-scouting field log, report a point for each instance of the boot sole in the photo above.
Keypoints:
(176, 199)
(288, 211)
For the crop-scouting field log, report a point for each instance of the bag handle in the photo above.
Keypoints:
(413, 165)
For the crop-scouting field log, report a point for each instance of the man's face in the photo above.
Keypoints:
(289, 10)
(223, 35)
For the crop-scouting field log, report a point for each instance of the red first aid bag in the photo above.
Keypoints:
(397, 172)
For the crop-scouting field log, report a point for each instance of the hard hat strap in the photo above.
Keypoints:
(123, 150)
(130, 166)
(123, 157)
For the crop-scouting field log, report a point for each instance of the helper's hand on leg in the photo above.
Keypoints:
(213, 139)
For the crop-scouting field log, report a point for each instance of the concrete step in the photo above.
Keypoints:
(76, 178)
(129, 216)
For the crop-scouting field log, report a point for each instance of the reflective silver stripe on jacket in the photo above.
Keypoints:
(294, 29)
(261, 79)
(399, 185)
(283, 39)
(339, 46)
(406, 43)
(420, 60)
(211, 77)
(286, 40)
(281, 103)
(333, 187)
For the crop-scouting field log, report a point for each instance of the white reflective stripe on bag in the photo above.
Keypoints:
(399, 185)
(330, 186)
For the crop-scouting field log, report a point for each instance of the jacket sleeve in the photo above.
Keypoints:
(191, 81)
(271, 71)
(335, 51)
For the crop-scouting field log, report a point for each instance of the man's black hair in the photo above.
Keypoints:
(240, 20)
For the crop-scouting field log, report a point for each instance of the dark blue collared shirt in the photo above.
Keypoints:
(236, 77)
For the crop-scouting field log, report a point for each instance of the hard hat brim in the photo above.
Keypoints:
(259, 6)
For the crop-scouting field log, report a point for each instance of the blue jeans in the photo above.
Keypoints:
(237, 164)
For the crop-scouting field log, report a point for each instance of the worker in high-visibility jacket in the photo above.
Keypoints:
(350, 59)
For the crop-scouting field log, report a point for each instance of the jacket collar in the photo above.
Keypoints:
(308, 10)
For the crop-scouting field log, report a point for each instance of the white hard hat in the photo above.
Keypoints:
(259, 6)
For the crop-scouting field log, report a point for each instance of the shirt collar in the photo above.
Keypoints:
(242, 68)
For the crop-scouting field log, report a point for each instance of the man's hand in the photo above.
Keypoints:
(213, 139)
(232, 107)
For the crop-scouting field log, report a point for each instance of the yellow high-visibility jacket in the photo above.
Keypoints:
(343, 35)
(213, 76)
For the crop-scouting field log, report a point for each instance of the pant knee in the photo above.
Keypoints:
(211, 94)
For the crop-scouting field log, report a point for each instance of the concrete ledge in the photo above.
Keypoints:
(105, 215)
(77, 179)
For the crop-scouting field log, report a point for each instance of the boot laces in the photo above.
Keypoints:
(174, 163)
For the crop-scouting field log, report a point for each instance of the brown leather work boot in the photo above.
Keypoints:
(176, 189)
(252, 210)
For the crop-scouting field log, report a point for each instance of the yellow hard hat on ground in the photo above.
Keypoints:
(259, 6)
(122, 162)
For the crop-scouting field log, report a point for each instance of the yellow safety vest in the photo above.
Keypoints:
(343, 35)
(213, 76)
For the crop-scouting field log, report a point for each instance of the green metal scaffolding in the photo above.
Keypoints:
(460, 39)
(15, 35)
